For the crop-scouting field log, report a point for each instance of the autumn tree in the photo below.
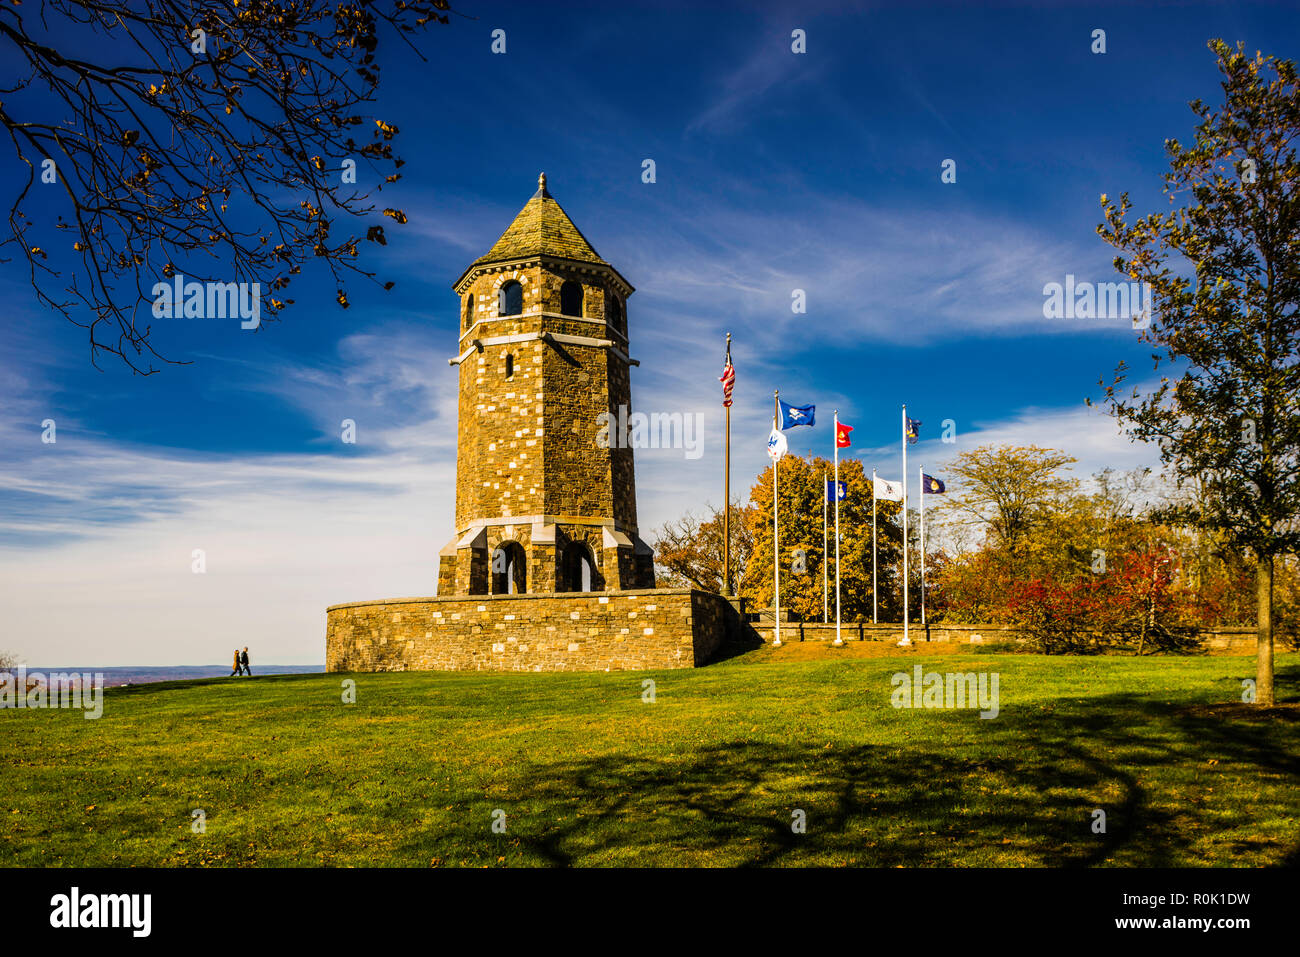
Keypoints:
(224, 140)
(1005, 490)
(689, 552)
(1223, 267)
(1135, 602)
(1070, 531)
(801, 492)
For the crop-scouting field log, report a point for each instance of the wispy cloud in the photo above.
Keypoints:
(97, 535)
(869, 273)
(1090, 435)
(740, 90)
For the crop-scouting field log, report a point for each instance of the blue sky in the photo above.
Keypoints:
(775, 172)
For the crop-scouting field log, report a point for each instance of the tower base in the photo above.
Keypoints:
(575, 631)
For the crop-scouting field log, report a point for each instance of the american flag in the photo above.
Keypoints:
(728, 380)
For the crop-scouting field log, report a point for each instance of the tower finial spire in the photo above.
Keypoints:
(541, 181)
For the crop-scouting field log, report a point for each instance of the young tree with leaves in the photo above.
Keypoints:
(689, 550)
(1223, 268)
(800, 493)
(1005, 490)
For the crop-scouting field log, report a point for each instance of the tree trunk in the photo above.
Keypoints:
(1264, 629)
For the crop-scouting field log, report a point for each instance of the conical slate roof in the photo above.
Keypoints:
(542, 228)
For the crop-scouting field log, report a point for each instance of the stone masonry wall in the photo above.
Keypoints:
(501, 440)
(527, 440)
(1229, 640)
(576, 471)
(622, 469)
(586, 631)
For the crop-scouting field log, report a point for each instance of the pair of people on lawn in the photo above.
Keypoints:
(241, 664)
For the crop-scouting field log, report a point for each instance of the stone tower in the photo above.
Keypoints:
(545, 491)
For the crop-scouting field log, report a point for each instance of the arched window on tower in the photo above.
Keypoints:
(509, 571)
(579, 570)
(571, 298)
(510, 299)
(467, 318)
(510, 367)
(614, 313)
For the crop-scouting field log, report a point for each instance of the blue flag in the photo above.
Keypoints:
(931, 485)
(913, 430)
(792, 415)
(834, 494)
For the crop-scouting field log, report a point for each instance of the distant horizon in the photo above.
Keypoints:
(214, 664)
(202, 664)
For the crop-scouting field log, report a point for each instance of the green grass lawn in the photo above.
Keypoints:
(708, 774)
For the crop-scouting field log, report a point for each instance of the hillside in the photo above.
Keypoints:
(710, 773)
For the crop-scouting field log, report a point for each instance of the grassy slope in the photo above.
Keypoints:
(708, 774)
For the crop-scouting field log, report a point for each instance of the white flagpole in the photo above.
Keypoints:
(825, 585)
(873, 546)
(920, 485)
(776, 559)
(838, 640)
(776, 544)
(906, 638)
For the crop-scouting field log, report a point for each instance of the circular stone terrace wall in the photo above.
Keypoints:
(573, 631)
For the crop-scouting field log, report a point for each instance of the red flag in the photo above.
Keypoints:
(728, 380)
(842, 435)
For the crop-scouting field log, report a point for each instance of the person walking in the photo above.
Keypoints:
(243, 660)
(238, 669)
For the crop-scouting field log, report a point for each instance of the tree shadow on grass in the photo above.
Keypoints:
(735, 804)
(1022, 792)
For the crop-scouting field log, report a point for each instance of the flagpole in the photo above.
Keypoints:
(838, 640)
(920, 485)
(726, 495)
(776, 532)
(825, 564)
(906, 638)
(873, 547)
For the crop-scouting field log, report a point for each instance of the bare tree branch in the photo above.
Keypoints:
(213, 139)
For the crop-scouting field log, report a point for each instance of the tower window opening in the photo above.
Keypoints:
(614, 313)
(510, 300)
(510, 367)
(578, 568)
(571, 298)
(508, 570)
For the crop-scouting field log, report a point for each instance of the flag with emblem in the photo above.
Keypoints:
(776, 444)
(931, 485)
(842, 435)
(887, 491)
(913, 430)
(792, 415)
